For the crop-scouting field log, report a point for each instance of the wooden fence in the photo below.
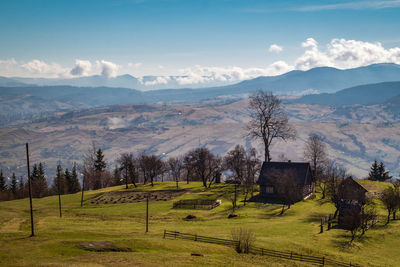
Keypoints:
(259, 251)
(196, 204)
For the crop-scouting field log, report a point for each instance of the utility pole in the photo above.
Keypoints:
(30, 189)
(59, 190)
(147, 213)
(83, 189)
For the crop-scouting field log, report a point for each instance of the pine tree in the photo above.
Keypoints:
(13, 186)
(383, 174)
(374, 172)
(68, 181)
(59, 181)
(117, 179)
(39, 183)
(99, 164)
(3, 186)
(75, 186)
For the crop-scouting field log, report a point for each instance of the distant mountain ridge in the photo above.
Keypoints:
(321, 79)
(369, 94)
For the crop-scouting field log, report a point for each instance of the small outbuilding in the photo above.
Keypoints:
(351, 197)
(293, 177)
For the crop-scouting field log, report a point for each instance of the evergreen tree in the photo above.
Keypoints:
(59, 181)
(99, 163)
(75, 186)
(13, 186)
(68, 181)
(3, 186)
(39, 183)
(374, 172)
(117, 179)
(383, 174)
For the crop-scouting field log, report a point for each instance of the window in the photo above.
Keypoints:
(269, 190)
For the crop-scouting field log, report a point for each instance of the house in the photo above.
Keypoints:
(351, 197)
(296, 177)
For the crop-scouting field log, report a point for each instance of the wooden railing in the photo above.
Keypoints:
(258, 250)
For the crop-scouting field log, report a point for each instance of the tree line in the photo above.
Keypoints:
(66, 182)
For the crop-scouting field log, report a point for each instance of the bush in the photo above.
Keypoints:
(246, 238)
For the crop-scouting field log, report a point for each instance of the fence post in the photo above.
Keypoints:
(195, 237)
(322, 227)
(262, 252)
(323, 260)
(329, 222)
(164, 233)
(175, 234)
(291, 254)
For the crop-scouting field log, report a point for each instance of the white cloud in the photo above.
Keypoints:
(343, 54)
(275, 48)
(355, 5)
(37, 66)
(82, 68)
(158, 80)
(134, 65)
(201, 74)
(108, 69)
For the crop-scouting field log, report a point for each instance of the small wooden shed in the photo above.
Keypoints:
(351, 197)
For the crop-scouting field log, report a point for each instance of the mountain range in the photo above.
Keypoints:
(321, 79)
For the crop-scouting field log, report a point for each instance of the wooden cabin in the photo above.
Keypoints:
(298, 174)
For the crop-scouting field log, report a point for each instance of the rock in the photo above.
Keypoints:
(197, 254)
(232, 215)
(190, 217)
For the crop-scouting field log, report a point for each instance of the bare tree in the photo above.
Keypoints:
(333, 173)
(252, 168)
(268, 120)
(188, 164)
(176, 167)
(204, 165)
(235, 161)
(315, 152)
(390, 198)
(127, 163)
(151, 166)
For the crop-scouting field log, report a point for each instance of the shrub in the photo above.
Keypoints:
(246, 238)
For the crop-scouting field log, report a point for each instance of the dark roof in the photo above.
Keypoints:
(301, 171)
(351, 180)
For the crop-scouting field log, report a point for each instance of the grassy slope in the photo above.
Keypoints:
(123, 224)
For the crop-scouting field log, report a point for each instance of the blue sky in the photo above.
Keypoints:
(172, 37)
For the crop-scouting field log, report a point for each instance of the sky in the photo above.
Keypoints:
(202, 40)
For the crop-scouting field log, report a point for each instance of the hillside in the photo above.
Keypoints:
(359, 95)
(354, 138)
(57, 240)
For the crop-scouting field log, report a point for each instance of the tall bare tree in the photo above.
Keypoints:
(175, 165)
(268, 120)
(127, 168)
(315, 153)
(204, 165)
(151, 166)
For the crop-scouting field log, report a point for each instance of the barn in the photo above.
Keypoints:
(295, 176)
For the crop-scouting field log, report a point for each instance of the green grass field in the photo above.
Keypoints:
(57, 239)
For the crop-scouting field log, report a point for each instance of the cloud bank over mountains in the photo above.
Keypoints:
(338, 53)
